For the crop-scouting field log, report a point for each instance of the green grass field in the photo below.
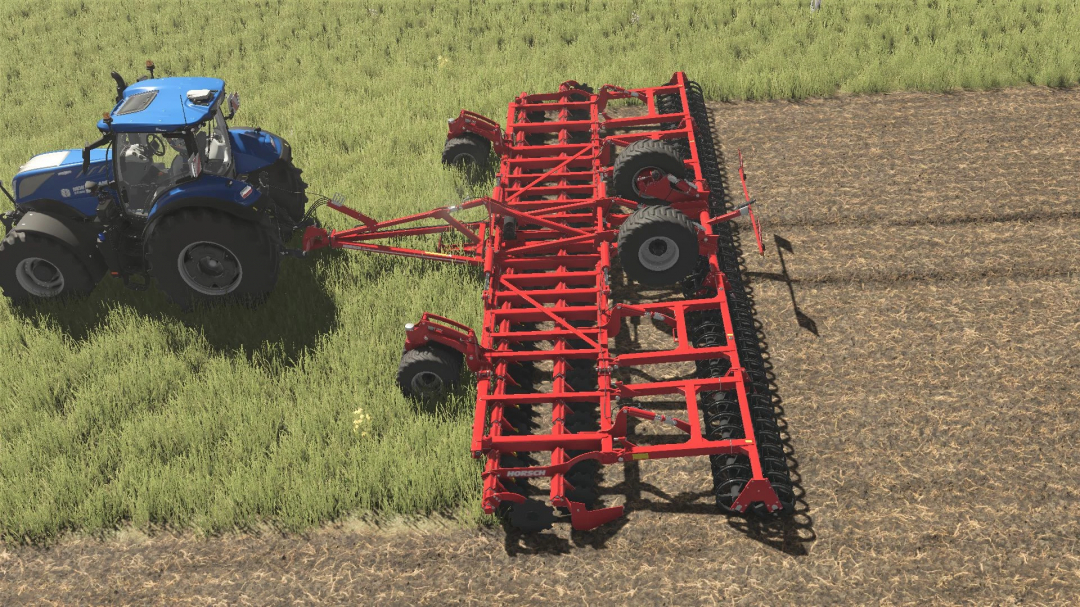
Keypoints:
(122, 409)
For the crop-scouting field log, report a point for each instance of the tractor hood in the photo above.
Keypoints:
(255, 148)
(58, 176)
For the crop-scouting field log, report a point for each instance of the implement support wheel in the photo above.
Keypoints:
(658, 246)
(429, 372)
(469, 152)
(643, 157)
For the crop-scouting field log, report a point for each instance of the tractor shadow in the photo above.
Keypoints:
(274, 335)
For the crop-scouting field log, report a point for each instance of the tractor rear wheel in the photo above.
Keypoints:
(199, 255)
(36, 267)
(658, 246)
(428, 372)
(643, 156)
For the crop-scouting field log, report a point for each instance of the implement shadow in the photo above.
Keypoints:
(783, 244)
(275, 333)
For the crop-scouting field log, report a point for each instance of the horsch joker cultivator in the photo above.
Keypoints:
(580, 197)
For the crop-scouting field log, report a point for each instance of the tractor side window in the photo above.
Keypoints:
(147, 164)
(213, 141)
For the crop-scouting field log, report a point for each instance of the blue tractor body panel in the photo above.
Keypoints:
(254, 149)
(163, 105)
(212, 187)
(58, 176)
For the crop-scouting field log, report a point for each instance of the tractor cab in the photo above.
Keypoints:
(165, 132)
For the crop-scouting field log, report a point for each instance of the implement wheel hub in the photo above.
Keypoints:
(658, 253)
(427, 382)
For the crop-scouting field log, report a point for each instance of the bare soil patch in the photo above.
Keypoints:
(919, 301)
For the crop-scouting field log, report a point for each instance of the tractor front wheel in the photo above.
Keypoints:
(36, 267)
(288, 191)
(202, 255)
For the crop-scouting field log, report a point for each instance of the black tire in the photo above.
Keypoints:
(427, 373)
(470, 152)
(287, 189)
(639, 156)
(658, 246)
(200, 255)
(34, 267)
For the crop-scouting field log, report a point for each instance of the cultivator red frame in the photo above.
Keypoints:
(547, 249)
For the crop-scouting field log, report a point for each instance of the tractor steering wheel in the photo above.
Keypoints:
(156, 143)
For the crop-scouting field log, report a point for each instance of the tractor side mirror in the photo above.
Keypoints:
(91, 186)
(234, 104)
(195, 165)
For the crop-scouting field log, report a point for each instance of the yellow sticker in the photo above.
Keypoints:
(641, 456)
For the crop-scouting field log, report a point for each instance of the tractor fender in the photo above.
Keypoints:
(244, 213)
(219, 191)
(79, 236)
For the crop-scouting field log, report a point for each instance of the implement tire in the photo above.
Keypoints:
(658, 246)
(469, 152)
(641, 155)
(427, 373)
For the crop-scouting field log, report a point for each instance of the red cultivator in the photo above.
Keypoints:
(578, 190)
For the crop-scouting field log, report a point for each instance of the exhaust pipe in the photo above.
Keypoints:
(120, 86)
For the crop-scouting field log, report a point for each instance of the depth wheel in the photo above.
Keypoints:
(469, 152)
(643, 157)
(427, 373)
(36, 267)
(658, 246)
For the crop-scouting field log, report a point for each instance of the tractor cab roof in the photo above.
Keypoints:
(164, 104)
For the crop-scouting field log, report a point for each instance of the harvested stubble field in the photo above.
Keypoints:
(919, 304)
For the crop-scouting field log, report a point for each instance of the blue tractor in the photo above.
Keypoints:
(169, 191)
